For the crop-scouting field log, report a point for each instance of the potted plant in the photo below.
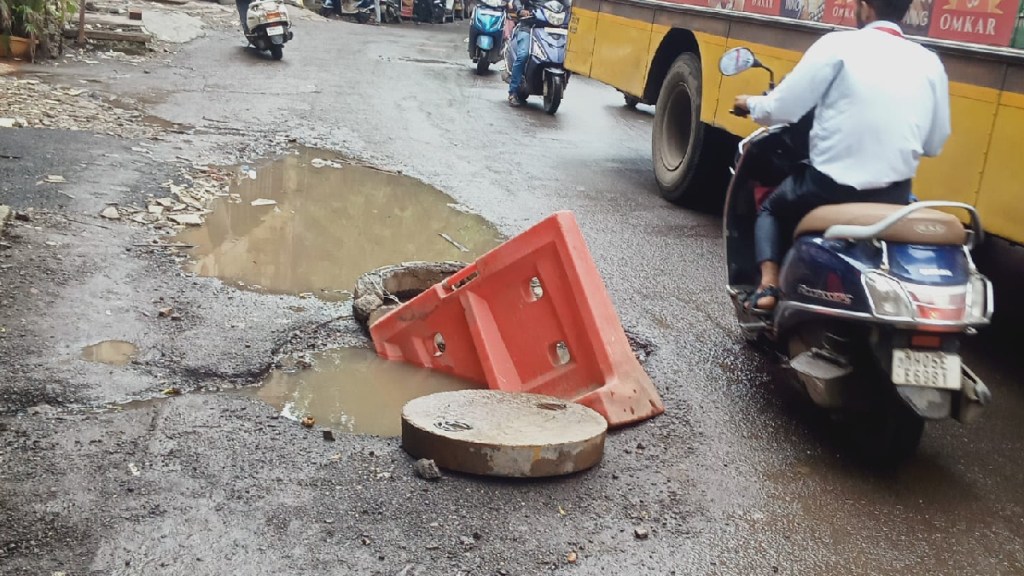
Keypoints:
(24, 22)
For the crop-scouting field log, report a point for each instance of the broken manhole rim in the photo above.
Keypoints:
(397, 283)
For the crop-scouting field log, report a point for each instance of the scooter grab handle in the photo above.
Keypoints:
(869, 232)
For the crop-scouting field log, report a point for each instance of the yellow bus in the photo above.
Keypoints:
(666, 54)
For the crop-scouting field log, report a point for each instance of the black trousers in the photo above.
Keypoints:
(798, 195)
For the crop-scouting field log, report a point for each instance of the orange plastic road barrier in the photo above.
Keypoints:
(532, 315)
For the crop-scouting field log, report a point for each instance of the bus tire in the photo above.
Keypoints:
(678, 134)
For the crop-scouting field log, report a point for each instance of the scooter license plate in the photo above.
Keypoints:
(275, 30)
(928, 369)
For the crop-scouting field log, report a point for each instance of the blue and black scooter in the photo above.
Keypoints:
(486, 29)
(875, 297)
(545, 74)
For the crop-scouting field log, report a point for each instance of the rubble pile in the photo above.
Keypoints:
(183, 205)
(31, 103)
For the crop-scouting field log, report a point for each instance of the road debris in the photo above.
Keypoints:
(427, 469)
(571, 557)
(54, 179)
(641, 533)
(172, 391)
(30, 103)
(5, 214)
(409, 570)
(42, 409)
(308, 421)
(263, 202)
(186, 219)
(165, 312)
(321, 163)
(329, 435)
(111, 213)
(453, 242)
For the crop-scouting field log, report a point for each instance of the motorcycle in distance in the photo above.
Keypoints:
(545, 74)
(429, 11)
(269, 26)
(875, 297)
(486, 34)
(361, 10)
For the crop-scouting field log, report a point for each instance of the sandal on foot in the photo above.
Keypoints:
(750, 302)
(513, 101)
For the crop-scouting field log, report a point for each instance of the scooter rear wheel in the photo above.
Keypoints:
(277, 52)
(482, 65)
(892, 434)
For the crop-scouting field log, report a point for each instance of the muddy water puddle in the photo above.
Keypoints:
(352, 390)
(310, 223)
(113, 352)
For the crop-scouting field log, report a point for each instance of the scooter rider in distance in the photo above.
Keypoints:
(520, 47)
(880, 102)
(243, 9)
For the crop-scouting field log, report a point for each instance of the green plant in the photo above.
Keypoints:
(30, 18)
(5, 16)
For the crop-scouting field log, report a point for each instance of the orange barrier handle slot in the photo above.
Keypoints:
(460, 278)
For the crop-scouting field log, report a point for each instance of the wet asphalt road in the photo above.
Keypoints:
(738, 477)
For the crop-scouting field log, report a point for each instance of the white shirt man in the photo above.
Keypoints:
(880, 102)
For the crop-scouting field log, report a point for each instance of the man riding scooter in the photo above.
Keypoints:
(243, 9)
(880, 102)
(520, 46)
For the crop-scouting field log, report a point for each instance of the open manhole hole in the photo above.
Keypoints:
(352, 390)
(317, 225)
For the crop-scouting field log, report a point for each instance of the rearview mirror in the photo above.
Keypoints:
(736, 60)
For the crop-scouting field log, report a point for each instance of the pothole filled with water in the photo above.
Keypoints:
(113, 352)
(310, 223)
(352, 390)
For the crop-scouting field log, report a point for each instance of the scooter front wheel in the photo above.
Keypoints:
(553, 90)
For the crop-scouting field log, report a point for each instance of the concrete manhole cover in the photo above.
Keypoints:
(496, 433)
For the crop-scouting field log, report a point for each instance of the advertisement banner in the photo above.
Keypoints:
(841, 13)
(1018, 37)
(810, 10)
(986, 22)
(918, 18)
(990, 22)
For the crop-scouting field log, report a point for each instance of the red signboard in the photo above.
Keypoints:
(841, 13)
(988, 22)
(765, 7)
(979, 21)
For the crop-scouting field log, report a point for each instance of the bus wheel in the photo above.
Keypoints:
(678, 132)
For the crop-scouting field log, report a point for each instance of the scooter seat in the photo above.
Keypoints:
(924, 226)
